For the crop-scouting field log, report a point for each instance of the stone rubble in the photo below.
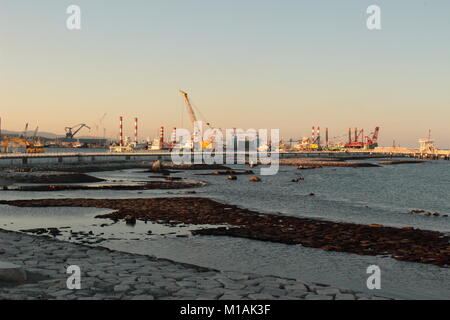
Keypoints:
(113, 275)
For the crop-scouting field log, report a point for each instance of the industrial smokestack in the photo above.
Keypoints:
(326, 136)
(318, 135)
(174, 135)
(349, 135)
(313, 134)
(136, 130)
(356, 134)
(121, 130)
(161, 137)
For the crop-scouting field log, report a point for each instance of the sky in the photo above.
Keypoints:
(287, 65)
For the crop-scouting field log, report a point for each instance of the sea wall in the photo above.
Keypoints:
(19, 160)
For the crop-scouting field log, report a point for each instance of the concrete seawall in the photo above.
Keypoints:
(21, 160)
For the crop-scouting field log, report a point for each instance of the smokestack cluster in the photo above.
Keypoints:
(121, 138)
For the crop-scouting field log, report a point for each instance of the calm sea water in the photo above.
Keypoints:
(382, 195)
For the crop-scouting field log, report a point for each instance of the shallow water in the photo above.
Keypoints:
(382, 195)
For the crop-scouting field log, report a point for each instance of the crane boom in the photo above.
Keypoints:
(189, 107)
(35, 132)
(375, 135)
(70, 134)
(25, 131)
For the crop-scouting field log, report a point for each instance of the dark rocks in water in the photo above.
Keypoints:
(130, 219)
(312, 194)
(297, 179)
(149, 185)
(232, 177)
(226, 172)
(428, 213)
(404, 244)
(43, 231)
(255, 179)
(9, 178)
(37, 231)
(303, 163)
(308, 167)
(400, 162)
(157, 166)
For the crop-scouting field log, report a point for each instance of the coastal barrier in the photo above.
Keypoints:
(23, 159)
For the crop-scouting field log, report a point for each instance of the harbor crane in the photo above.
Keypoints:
(25, 131)
(70, 133)
(197, 135)
(360, 141)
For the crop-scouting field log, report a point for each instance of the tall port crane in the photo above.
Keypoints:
(70, 133)
(197, 135)
(25, 131)
(189, 108)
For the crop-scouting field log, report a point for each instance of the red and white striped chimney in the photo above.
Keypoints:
(313, 134)
(121, 130)
(161, 137)
(136, 130)
(174, 135)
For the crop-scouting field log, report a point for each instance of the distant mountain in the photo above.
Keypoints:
(47, 135)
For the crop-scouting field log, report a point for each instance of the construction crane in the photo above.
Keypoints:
(189, 108)
(197, 135)
(360, 141)
(70, 133)
(25, 131)
(31, 148)
(372, 143)
(35, 133)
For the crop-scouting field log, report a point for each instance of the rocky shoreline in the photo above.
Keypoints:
(404, 244)
(150, 185)
(114, 275)
(12, 177)
(302, 162)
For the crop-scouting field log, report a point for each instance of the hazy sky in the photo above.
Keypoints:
(286, 64)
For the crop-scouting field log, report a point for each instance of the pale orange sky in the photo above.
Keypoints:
(287, 66)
